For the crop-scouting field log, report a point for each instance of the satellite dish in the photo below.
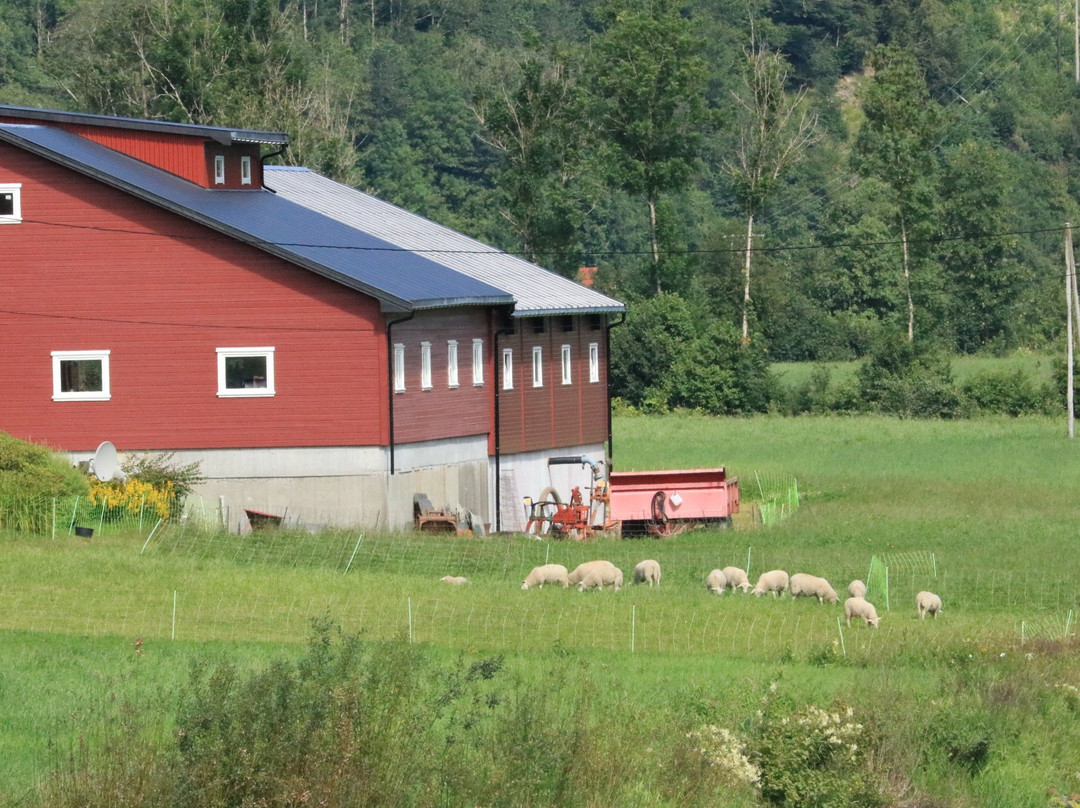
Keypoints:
(105, 464)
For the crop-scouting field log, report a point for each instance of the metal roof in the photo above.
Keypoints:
(401, 280)
(221, 134)
(537, 291)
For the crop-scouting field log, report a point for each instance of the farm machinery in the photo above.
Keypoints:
(635, 503)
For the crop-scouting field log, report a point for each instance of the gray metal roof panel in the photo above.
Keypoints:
(401, 280)
(538, 291)
(221, 134)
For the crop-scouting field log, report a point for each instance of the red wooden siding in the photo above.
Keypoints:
(98, 277)
(554, 415)
(442, 411)
(183, 156)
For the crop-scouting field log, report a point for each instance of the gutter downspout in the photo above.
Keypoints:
(390, 380)
(496, 379)
(262, 165)
(607, 353)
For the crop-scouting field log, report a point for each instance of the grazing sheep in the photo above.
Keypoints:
(775, 581)
(596, 574)
(811, 586)
(736, 578)
(546, 574)
(454, 580)
(861, 609)
(927, 603)
(857, 589)
(716, 582)
(648, 570)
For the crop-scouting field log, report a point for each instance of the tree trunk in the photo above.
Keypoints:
(746, 279)
(655, 243)
(907, 283)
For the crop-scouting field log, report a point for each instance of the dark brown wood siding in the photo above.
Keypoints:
(554, 414)
(87, 269)
(442, 411)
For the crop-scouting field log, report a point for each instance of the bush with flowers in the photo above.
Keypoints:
(813, 757)
(153, 484)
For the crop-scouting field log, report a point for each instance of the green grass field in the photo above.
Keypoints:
(85, 625)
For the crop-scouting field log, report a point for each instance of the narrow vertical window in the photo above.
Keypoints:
(425, 365)
(245, 170)
(566, 372)
(451, 363)
(538, 366)
(594, 362)
(477, 362)
(399, 368)
(508, 369)
(80, 375)
(219, 169)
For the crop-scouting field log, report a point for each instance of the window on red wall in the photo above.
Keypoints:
(567, 377)
(425, 365)
(538, 366)
(245, 372)
(80, 375)
(508, 369)
(451, 363)
(399, 368)
(594, 362)
(477, 362)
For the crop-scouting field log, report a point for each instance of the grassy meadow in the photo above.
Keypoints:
(976, 708)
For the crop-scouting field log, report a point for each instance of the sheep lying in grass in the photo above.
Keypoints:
(454, 580)
(803, 585)
(596, 574)
(736, 578)
(927, 603)
(857, 589)
(648, 570)
(775, 581)
(546, 574)
(861, 609)
(716, 582)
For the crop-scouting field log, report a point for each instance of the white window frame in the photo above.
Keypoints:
(478, 362)
(399, 367)
(219, 169)
(538, 366)
(15, 189)
(567, 371)
(425, 366)
(508, 369)
(224, 354)
(451, 363)
(245, 170)
(594, 362)
(104, 394)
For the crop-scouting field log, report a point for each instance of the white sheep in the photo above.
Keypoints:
(857, 589)
(716, 582)
(736, 578)
(648, 570)
(775, 581)
(596, 574)
(546, 574)
(454, 580)
(812, 586)
(927, 603)
(862, 609)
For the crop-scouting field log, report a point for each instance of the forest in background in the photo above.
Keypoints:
(902, 170)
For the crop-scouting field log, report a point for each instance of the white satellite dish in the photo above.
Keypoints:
(105, 464)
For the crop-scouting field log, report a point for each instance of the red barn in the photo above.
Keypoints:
(318, 351)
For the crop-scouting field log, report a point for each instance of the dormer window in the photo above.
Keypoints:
(245, 170)
(10, 203)
(219, 169)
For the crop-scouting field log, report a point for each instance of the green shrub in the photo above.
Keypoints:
(814, 758)
(30, 470)
(909, 380)
(1004, 392)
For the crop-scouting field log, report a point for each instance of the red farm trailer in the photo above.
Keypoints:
(664, 503)
(636, 503)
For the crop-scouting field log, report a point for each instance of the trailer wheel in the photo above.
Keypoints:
(659, 515)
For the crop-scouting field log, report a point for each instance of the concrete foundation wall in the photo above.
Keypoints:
(338, 486)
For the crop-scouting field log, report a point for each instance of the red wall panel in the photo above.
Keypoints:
(553, 415)
(442, 411)
(99, 277)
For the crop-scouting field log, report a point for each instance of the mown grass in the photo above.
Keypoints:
(87, 625)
